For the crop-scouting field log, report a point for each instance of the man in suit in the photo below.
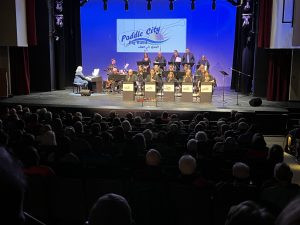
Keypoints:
(160, 59)
(188, 57)
(176, 58)
(130, 77)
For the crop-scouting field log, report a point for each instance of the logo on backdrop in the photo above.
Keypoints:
(152, 35)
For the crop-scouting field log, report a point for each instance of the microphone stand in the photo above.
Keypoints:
(238, 83)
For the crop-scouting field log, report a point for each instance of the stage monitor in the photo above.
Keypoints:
(151, 35)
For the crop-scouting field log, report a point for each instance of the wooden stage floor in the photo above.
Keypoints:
(104, 101)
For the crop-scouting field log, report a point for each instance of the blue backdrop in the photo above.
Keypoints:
(209, 32)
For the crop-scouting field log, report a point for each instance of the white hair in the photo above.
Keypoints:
(187, 165)
(79, 69)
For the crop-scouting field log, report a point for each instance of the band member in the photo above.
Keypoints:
(140, 78)
(188, 76)
(171, 77)
(152, 76)
(200, 71)
(147, 62)
(186, 67)
(203, 61)
(110, 83)
(157, 70)
(160, 59)
(188, 57)
(112, 66)
(208, 78)
(130, 77)
(176, 59)
(81, 80)
(172, 67)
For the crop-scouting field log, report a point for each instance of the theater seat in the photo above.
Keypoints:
(190, 205)
(67, 201)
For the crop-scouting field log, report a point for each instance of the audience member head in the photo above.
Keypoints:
(78, 127)
(165, 115)
(249, 213)
(97, 118)
(118, 133)
(187, 165)
(12, 188)
(129, 116)
(148, 135)
(201, 136)
(153, 157)
(137, 121)
(110, 209)
(290, 215)
(116, 122)
(275, 153)
(95, 129)
(240, 171)
(283, 173)
(192, 147)
(79, 115)
(147, 115)
(70, 132)
(258, 141)
(243, 127)
(112, 115)
(126, 126)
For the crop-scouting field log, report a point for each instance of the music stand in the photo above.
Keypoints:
(159, 64)
(143, 63)
(189, 64)
(224, 75)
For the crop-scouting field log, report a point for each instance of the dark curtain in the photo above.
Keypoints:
(68, 48)
(264, 23)
(243, 49)
(20, 75)
(279, 75)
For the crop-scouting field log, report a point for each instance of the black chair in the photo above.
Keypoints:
(67, 201)
(190, 205)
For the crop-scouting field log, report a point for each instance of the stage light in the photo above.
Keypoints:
(213, 6)
(171, 4)
(149, 4)
(105, 5)
(126, 4)
(192, 4)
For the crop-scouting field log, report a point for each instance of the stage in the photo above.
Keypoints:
(113, 101)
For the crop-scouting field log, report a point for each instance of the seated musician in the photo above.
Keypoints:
(172, 67)
(171, 77)
(110, 83)
(187, 76)
(186, 67)
(112, 66)
(207, 78)
(81, 80)
(200, 71)
(152, 76)
(130, 77)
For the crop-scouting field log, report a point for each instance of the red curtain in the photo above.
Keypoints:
(31, 22)
(279, 75)
(264, 23)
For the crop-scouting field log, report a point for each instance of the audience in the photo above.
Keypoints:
(228, 158)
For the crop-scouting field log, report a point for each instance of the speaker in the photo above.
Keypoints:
(85, 92)
(255, 102)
